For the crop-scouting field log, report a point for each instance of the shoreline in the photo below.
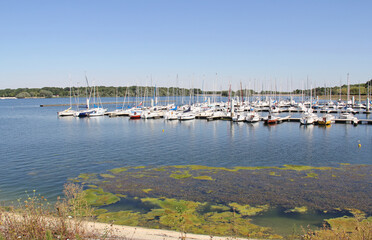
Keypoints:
(141, 233)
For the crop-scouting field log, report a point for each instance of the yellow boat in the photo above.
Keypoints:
(326, 119)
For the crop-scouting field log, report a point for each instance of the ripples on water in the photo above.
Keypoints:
(41, 151)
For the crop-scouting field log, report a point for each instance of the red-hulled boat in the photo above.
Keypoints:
(135, 115)
(271, 119)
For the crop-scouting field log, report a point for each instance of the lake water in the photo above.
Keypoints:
(41, 151)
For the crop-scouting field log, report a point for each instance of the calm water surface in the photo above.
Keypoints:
(41, 151)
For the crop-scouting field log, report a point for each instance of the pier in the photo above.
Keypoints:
(344, 121)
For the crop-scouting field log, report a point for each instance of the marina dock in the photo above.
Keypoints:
(344, 121)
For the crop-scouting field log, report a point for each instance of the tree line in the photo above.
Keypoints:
(133, 91)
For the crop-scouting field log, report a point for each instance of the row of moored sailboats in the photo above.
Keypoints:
(233, 110)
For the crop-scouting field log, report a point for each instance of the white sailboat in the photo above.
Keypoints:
(68, 112)
(252, 117)
(186, 115)
(349, 117)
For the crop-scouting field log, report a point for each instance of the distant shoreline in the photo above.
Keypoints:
(321, 97)
(5, 98)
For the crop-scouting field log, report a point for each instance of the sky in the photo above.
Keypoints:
(208, 44)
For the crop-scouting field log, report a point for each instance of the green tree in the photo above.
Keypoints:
(23, 95)
(46, 93)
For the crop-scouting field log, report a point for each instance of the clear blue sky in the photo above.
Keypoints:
(121, 43)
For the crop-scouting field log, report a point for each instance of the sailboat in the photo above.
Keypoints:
(309, 117)
(271, 119)
(97, 110)
(120, 111)
(326, 119)
(84, 113)
(186, 115)
(252, 117)
(91, 112)
(68, 112)
(239, 117)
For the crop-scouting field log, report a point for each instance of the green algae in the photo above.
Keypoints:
(121, 195)
(347, 223)
(189, 216)
(119, 170)
(180, 175)
(209, 178)
(254, 168)
(216, 169)
(100, 211)
(139, 167)
(122, 218)
(98, 197)
(304, 168)
(162, 169)
(274, 174)
(139, 175)
(209, 207)
(147, 190)
(247, 210)
(105, 175)
(302, 209)
(312, 175)
(87, 176)
(92, 186)
(248, 187)
(356, 212)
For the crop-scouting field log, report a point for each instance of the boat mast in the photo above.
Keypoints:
(348, 88)
(340, 90)
(241, 92)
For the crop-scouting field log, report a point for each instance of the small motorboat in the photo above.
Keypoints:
(271, 119)
(135, 114)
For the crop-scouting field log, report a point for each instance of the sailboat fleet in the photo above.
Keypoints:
(237, 109)
(234, 110)
(89, 110)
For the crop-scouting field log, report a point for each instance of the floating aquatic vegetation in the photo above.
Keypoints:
(201, 195)
(105, 175)
(147, 190)
(118, 170)
(204, 178)
(274, 174)
(312, 175)
(289, 186)
(87, 176)
(122, 217)
(304, 168)
(189, 216)
(98, 197)
(180, 175)
(347, 223)
(302, 209)
(247, 210)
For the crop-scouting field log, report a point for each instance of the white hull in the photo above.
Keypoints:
(66, 113)
(185, 117)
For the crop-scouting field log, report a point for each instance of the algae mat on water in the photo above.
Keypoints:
(240, 192)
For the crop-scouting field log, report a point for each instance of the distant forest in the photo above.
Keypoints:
(132, 91)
